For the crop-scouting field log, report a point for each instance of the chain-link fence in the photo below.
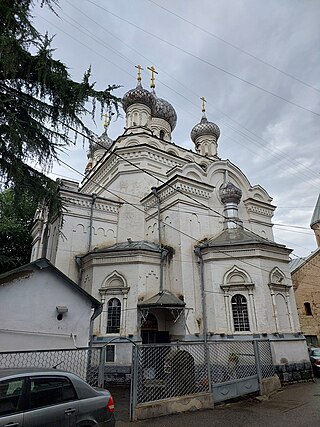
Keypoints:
(265, 358)
(164, 371)
(86, 362)
(232, 360)
(173, 370)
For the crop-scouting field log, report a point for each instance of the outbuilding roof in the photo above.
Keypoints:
(43, 263)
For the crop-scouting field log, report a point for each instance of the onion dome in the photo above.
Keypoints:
(162, 109)
(101, 142)
(229, 193)
(205, 128)
(138, 95)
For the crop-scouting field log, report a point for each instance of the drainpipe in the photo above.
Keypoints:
(204, 316)
(163, 252)
(96, 312)
(203, 297)
(94, 196)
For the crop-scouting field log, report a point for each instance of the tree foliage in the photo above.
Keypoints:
(16, 219)
(39, 103)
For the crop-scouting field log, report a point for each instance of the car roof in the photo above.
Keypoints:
(8, 372)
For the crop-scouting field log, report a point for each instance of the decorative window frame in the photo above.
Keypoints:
(109, 291)
(244, 287)
(278, 285)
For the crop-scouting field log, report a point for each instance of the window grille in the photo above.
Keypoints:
(240, 313)
(110, 353)
(114, 314)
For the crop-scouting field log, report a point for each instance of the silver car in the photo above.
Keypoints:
(52, 398)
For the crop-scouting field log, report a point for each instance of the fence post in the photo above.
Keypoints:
(258, 364)
(207, 350)
(102, 366)
(134, 382)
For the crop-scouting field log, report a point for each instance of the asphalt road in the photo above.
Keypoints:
(293, 405)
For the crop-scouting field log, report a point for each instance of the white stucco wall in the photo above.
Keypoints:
(28, 315)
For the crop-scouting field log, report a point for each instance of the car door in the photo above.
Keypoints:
(53, 402)
(11, 413)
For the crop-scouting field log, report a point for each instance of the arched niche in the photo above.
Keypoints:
(115, 281)
(236, 276)
(277, 276)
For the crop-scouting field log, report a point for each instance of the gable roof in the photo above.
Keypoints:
(296, 264)
(162, 299)
(41, 264)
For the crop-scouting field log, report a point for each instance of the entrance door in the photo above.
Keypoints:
(150, 333)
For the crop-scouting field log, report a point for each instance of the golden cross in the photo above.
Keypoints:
(139, 72)
(153, 72)
(106, 120)
(203, 105)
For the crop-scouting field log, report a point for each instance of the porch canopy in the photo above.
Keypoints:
(163, 300)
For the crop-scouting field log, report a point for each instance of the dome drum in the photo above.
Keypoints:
(138, 115)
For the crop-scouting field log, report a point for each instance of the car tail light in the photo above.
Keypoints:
(317, 362)
(110, 404)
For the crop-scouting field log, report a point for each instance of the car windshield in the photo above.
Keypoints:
(316, 352)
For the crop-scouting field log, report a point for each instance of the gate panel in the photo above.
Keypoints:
(233, 369)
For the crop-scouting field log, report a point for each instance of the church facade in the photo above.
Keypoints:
(176, 244)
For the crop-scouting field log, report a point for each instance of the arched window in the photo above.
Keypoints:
(240, 313)
(114, 314)
(161, 135)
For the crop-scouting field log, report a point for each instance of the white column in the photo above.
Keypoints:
(253, 312)
(274, 310)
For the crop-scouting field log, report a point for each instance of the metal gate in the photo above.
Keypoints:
(228, 368)
(234, 369)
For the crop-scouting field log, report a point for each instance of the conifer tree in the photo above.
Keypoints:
(39, 102)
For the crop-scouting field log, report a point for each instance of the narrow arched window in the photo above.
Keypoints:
(240, 313)
(161, 134)
(114, 315)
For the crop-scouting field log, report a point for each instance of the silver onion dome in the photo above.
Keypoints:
(138, 95)
(229, 193)
(162, 109)
(205, 128)
(103, 141)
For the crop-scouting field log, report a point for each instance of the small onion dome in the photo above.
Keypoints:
(103, 141)
(229, 193)
(205, 128)
(162, 109)
(138, 95)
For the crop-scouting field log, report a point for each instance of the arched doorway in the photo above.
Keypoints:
(150, 333)
(149, 329)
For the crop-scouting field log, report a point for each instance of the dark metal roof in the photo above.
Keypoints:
(236, 236)
(162, 299)
(131, 245)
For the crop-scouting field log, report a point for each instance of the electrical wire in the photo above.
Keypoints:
(206, 61)
(262, 61)
(146, 172)
(279, 153)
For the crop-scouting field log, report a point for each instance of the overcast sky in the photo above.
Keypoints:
(256, 62)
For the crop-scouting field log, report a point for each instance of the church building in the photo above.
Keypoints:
(176, 244)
